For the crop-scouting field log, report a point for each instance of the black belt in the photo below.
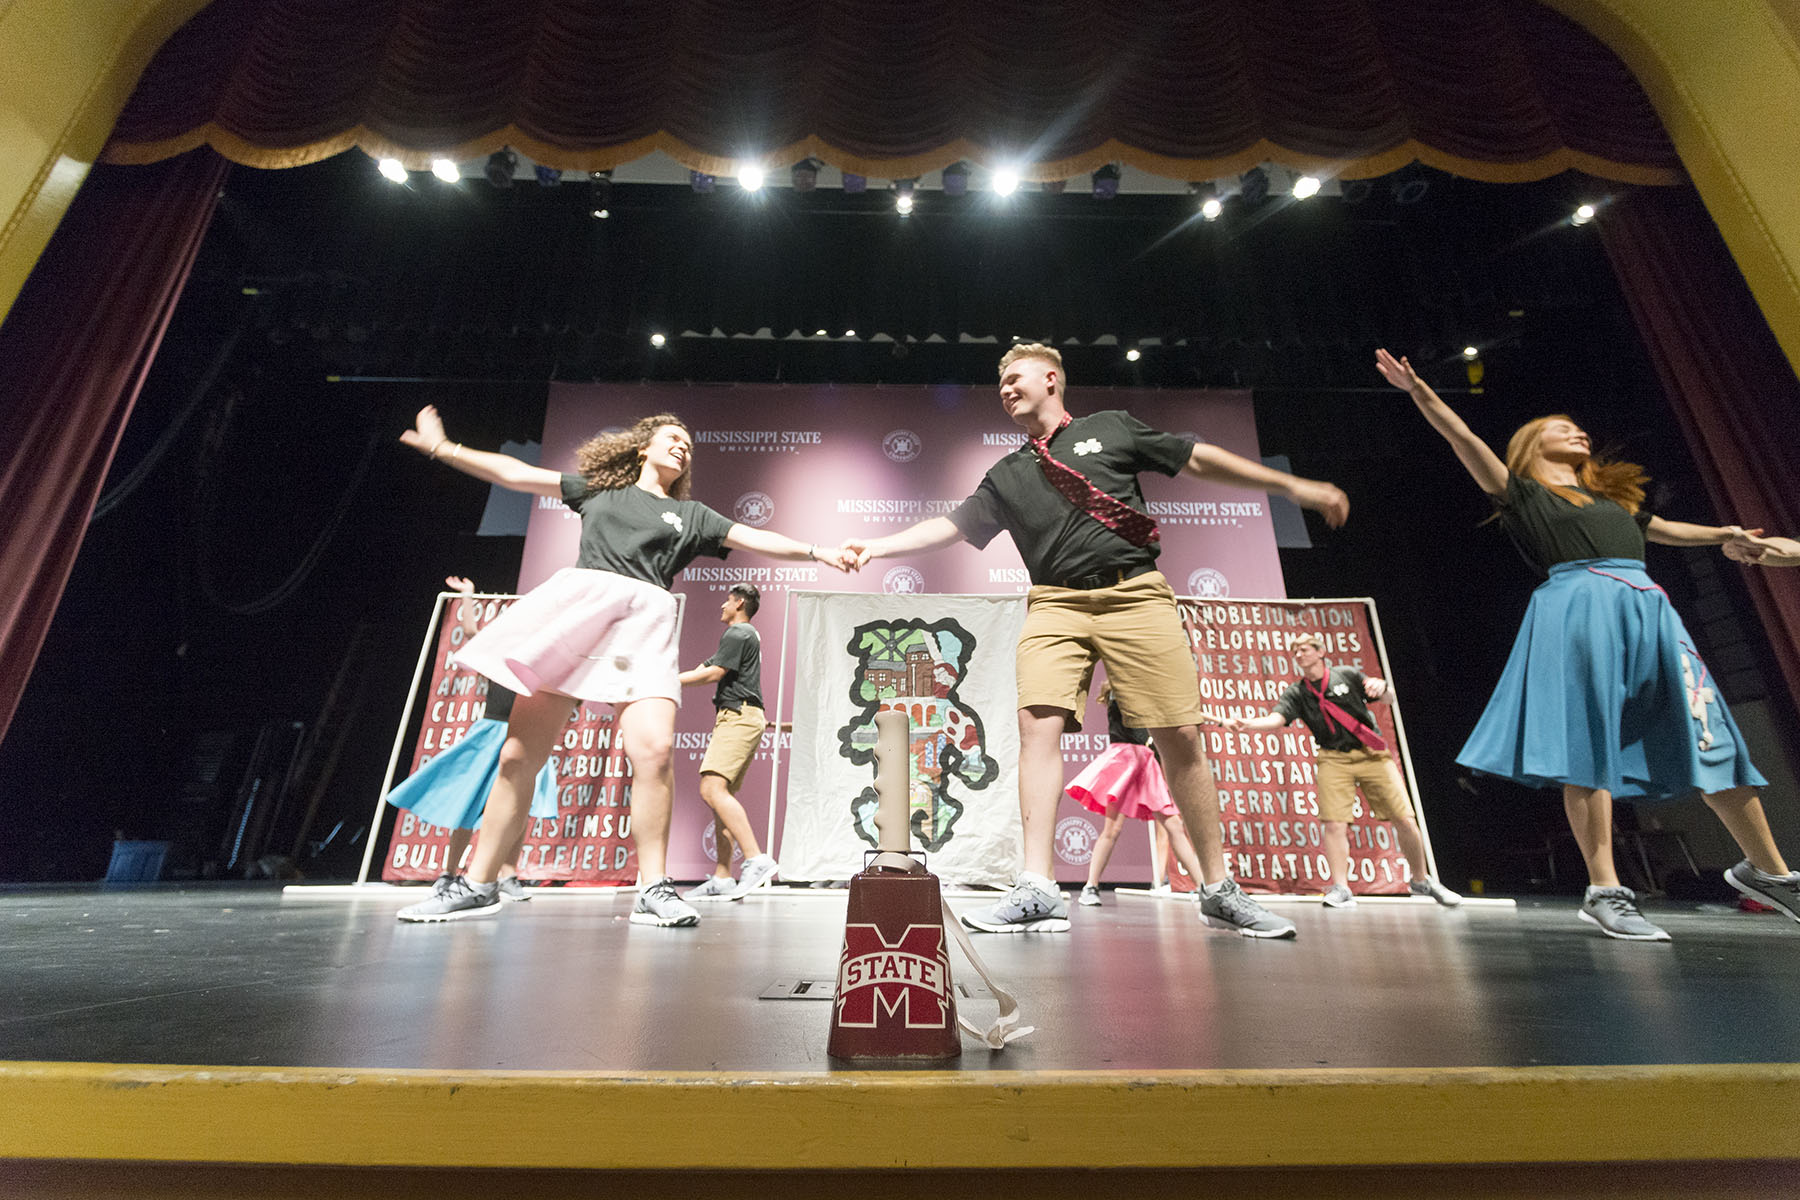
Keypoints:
(1104, 579)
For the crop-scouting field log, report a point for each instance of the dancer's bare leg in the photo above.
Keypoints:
(1040, 784)
(1412, 846)
(647, 731)
(1185, 853)
(1337, 850)
(455, 848)
(1159, 850)
(1741, 811)
(1103, 847)
(727, 811)
(1196, 795)
(531, 732)
(722, 850)
(1590, 820)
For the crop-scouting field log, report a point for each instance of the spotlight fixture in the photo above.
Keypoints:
(750, 177)
(855, 185)
(1583, 215)
(1306, 187)
(602, 213)
(1006, 181)
(600, 193)
(822, 333)
(547, 176)
(1471, 353)
(500, 166)
(956, 179)
(701, 182)
(445, 170)
(806, 175)
(849, 333)
(1133, 354)
(903, 196)
(392, 168)
(1106, 182)
(658, 340)
(1253, 185)
(1211, 207)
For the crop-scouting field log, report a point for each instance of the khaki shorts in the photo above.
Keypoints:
(735, 737)
(1341, 772)
(1133, 628)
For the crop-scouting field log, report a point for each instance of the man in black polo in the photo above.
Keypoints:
(1070, 499)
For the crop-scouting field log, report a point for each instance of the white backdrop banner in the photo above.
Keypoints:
(947, 662)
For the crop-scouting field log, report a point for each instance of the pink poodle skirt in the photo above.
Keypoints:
(1128, 778)
(592, 635)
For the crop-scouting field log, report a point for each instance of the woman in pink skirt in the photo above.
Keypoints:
(1127, 781)
(603, 630)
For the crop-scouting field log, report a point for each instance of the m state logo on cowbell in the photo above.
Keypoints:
(909, 978)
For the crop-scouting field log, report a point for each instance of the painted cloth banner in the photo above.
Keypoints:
(947, 662)
(824, 463)
(590, 837)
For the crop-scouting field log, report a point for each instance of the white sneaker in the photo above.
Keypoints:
(1425, 885)
(1339, 896)
(1090, 896)
(659, 905)
(1029, 907)
(755, 871)
(716, 890)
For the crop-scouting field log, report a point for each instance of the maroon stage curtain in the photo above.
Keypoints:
(1503, 90)
(1731, 387)
(76, 348)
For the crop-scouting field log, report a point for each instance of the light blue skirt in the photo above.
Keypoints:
(451, 790)
(1604, 689)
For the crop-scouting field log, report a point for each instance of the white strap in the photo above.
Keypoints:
(1006, 1026)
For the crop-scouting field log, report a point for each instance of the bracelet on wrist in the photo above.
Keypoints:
(454, 453)
(434, 450)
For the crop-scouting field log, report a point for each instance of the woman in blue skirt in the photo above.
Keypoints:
(1604, 695)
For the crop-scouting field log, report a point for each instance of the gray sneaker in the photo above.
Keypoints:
(1339, 896)
(458, 899)
(1230, 908)
(1777, 891)
(512, 889)
(658, 904)
(1425, 885)
(1090, 896)
(440, 883)
(1028, 908)
(716, 890)
(755, 871)
(1615, 911)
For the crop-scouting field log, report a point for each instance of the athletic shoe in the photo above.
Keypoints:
(1090, 896)
(1777, 891)
(1031, 907)
(512, 889)
(440, 883)
(1339, 896)
(1427, 886)
(458, 899)
(659, 905)
(716, 890)
(755, 871)
(1161, 889)
(1230, 908)
(1615, 911)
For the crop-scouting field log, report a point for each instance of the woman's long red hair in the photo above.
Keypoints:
(1621, 482)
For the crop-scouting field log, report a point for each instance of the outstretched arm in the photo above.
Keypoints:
(779, 545)
(466, 614)
(1483, 465)
(1764, 552)
(1682, 533)
(932, 534)
(703, 674)
(428, 438)
(1222, 466)
(1269, 720)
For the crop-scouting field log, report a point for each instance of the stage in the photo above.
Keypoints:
(239, 1024)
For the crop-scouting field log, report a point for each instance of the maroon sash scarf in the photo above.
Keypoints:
(1135, 527)
(1336, 715)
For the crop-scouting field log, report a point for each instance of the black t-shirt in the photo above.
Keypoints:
(1118, 731)
(1057, 540)
(1344, 688)
(1548, 529)
(630, 532)
(740, 653)
(499, 702)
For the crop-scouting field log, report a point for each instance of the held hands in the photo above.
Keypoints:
(427, 433)
(860, 551)
(1326, 499)
(839, 558)
(1748, 545)
(1397, 371)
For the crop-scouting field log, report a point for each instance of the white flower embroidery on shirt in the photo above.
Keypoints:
(1341, 689)
(1091, 446)
(674, 520)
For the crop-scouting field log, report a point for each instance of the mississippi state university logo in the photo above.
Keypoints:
(754, 508)
(902, 445)
(1075, 838)
(1208, 583)
(709, 845)
(902, 581)
(878, 979)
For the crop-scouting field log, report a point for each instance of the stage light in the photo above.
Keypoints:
(1253, 185)
(956, 179)
(1106, 182)
(1471, 353)
(849, 333)
(1211, 208)
(1583, 215)
(500, 166)
(750, 177)
(600, 193)
(547, 176)
(1006, 181)
(1306, 187)
(658, 340)
(903, 204)
(445, 170)
(855, 185)
(602, 213)
(822, 333)
(391, 168)
(1133, 354)
(700, 181)
(806, 174)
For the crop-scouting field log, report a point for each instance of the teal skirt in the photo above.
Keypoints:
(1604, 689)
(451, 790)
